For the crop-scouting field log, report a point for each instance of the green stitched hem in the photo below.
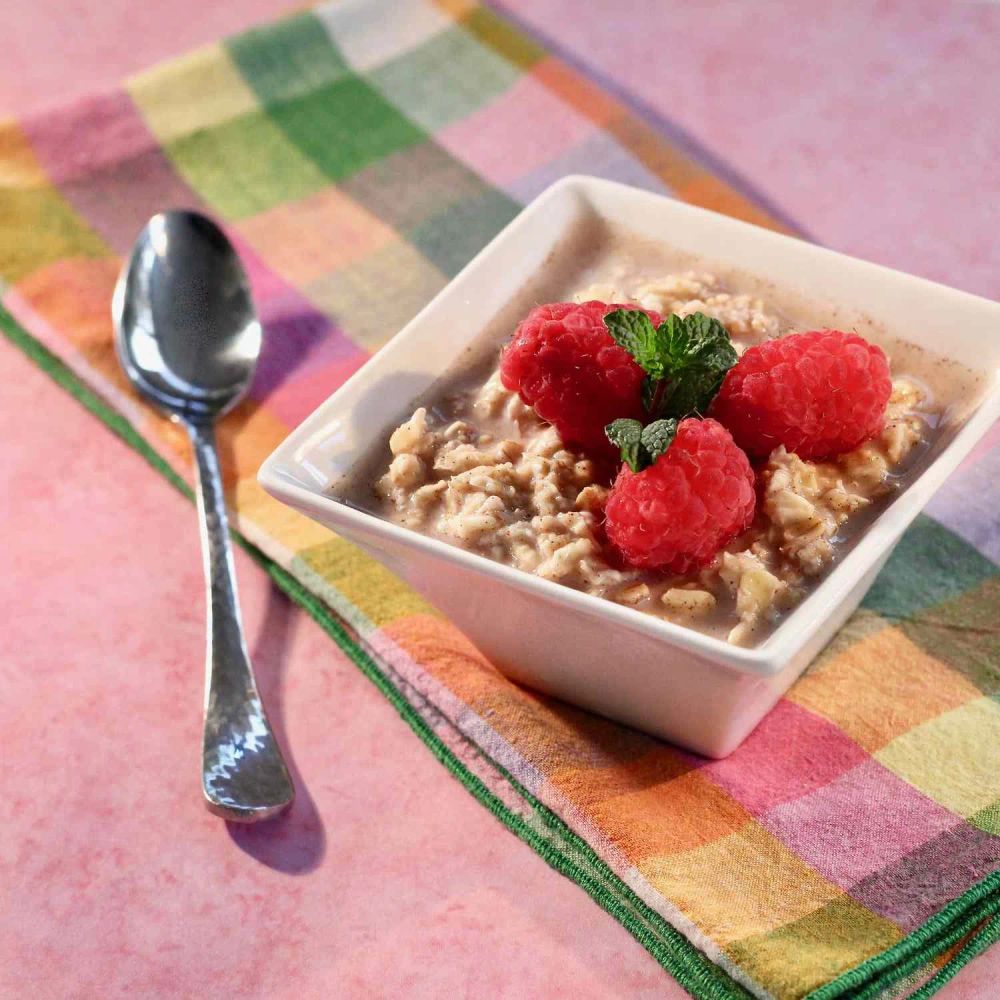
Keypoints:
(979, 942)
(868, 989)
(936, 935)
(575, 859)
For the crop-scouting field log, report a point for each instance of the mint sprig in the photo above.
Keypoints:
(641, 446)
(684, 360)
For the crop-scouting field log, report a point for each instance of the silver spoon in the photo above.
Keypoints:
(188, 338)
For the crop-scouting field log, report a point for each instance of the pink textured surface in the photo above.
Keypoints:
(117, 881)
(873, 125)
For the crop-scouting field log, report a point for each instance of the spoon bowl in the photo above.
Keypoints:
(187, 333)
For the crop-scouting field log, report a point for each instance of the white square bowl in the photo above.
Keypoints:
(668, 680)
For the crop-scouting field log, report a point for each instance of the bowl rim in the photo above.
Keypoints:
(799, 626)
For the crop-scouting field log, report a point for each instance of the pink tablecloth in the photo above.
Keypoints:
(839, 122)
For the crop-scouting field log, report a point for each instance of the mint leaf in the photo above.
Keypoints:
(656, 438)
(697, 354)
(634, 330)
(685, 359)
(693, 393)
(708, 345)
(626, 435)
(708, 342)
(641, 446)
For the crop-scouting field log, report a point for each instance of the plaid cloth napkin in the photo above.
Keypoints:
(359, 155)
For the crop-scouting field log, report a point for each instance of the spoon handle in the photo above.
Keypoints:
(244, 776)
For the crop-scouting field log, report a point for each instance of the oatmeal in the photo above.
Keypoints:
(744, 316)
(481, 470)
(499, 482)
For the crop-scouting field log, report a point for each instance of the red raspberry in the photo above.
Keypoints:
(563, 362)
(696, 497)
(818, 394)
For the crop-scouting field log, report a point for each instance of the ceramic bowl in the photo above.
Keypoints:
(663, 678)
